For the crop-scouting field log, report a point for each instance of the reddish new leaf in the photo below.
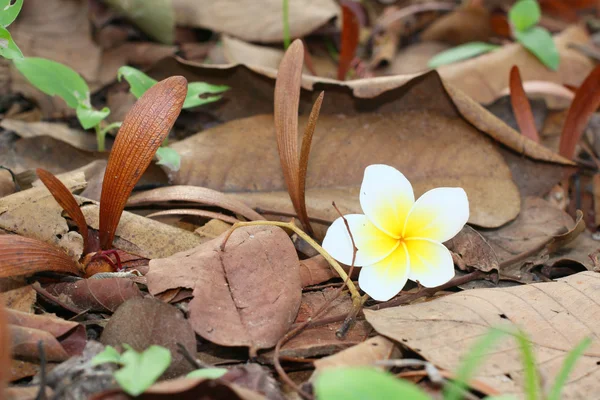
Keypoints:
(350, 36)
(145, 127)
(24, 256)
(521, 107)
(65, 199)
(585, 103)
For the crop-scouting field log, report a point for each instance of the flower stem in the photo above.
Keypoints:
(356, 298)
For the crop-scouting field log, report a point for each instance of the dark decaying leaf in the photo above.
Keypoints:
(521, 107)
(62, 339)
(24, 256)
(585, 103)
(473, 250)
(247, 295)
(143, 131)
(350, 36)
(144, 322)
(99, 295)
(63, 196)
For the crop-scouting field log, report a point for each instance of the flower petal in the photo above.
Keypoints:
(430, 262)
(386, 197)
(438, 215)
(385, 279)
(372, 244)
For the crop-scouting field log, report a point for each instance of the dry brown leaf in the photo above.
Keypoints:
(255, 21)
(145, 127)
(237, 51)
(41, 30)
(144, 322)
(193, 194)
(363, 354)
(473, 250)
(555, 316)
(469, 23)
(144, 236)
(413, 59)
(17, 295)
(5, 351)
(7, 185)
(446, 152)
(77, 138)
(316, 270)
(247, 295)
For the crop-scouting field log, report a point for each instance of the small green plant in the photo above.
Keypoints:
(56, 79)
(138, 370)
(523, 18)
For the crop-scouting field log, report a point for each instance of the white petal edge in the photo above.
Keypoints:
(431, 262)
(386, 197)
(438, 215)
(372, 244)
(385, 279)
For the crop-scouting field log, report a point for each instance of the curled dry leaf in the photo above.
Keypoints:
(21, 256)
(246, 295)
(555, 316)
(521, 107)
(96, 295)
(366, 353)
(143, 131)
(473, 250)
(62, 339)
(194, 194)
(65, 199)
(144, 322)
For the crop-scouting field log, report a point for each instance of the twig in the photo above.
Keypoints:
(42, 392)
(189, 358)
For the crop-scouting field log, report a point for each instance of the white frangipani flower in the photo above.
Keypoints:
(399, 238)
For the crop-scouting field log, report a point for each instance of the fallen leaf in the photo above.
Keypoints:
(247, 295)
(62, 339)
(143, 322)
(469, 23)
(20, 296)
(237, 51)
(363, 354)
(555, 316)
(96, 295)
(252, 21)
(5, 342)
(474, 250)
(316, 270)
(77, 138)
(413, 59)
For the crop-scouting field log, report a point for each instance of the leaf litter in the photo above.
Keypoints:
(180, 269)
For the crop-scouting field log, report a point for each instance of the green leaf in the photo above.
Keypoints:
(364, 383)
(55, 78)
(209, 373)
(169, 158)
(109, 355)
(141, 370)
(466, 370)
(501, 397)
(156, 18)
(524, 14)
(8, 47)
(459, 53)
(89, 117)
(196, 89)
(532, 381)
(9, 12)
(138, 81)
(566, 368)
(539, 41)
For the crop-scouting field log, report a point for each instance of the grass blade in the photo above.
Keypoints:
(532, 381)
(567, 367)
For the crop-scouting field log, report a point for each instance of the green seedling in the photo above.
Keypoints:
(138, 370)
(523, 17)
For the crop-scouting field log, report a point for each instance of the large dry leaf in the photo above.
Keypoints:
(247, 295)
(555, 316)
(144, 322)
(431, 149)
(62, 132)
(255, 21)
